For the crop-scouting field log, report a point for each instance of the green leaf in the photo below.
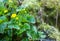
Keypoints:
(25, 27)
(32, 35)
(24, 19)
(3, 19)
(13, 26)
(1, 6)
(25, 39)
(41, 34)
(29, 35)
(9, 32)
(1, 0)
(2, 27)
(31, 19)
(34, 28)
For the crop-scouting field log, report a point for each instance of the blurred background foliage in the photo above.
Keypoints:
(25, 20)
